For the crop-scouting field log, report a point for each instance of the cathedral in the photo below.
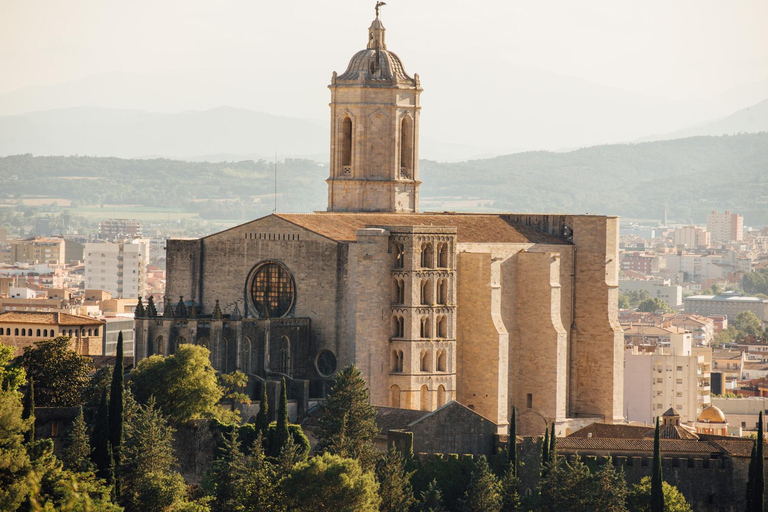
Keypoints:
(490, 310)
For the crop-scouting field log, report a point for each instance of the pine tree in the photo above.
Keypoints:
(512, 444)
(281, 432)
(394, 483)
(225, 479)
(77, 453)
(262, 417)
(117, 405)
(482, 494)
(29, 412)
(347, 414)
(657, 490)
(432, 499)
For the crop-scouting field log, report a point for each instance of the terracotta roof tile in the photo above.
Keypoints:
(471, 228)
(37, 317)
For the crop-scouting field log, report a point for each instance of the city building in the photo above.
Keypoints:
(725, 227)
(672, 377)
(691, 237)
(113, 230)
(119, 268)
(38, 250)
(490, 310)
(639, 262)
(22, 329)
(662, 289)
(728, 303)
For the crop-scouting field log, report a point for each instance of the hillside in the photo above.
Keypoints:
(690, 176)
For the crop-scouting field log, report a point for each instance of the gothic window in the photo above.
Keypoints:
(245, 355)
(394, 396)
(424, 398)
(399, 256)
(426, 292)
(398, 327)
(346, 144)
(424, 331)
(425, 365)
(441, 395)
(442, 284)
(273, 292)
(203, 342)
(442, 327)
(406, 147)
(399, 291)
(284, 361)
(426, 255)
(442, 255)
(441, 361)
(397, 360)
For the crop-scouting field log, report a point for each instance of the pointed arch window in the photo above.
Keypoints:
(425, 330)
(442, 255)
(426, 255)
(440, 395)
(426, 292)
(406, 147)
(442, 294)
(398, 327)
(442, 359)
(399, 291)
(346, 145)
(397, 360)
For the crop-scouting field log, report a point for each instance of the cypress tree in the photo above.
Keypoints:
(545, 453)
(758, 486)
(512, 445)
(116, 406)
(102, 453)
(657, 491)
(751, 477)
(281, 432)
(29, 412)
(552, 443)
(262, 417)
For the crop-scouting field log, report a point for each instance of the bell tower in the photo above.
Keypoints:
(374, 132)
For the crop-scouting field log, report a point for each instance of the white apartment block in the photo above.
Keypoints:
(677, 376)
(119, 268)
(657, 288)
(692, 237)
(725, 227)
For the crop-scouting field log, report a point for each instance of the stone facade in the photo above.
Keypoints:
(491, 310)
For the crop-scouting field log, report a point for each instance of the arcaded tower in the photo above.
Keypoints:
(374, 132)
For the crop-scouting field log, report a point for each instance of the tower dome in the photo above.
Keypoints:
(712, 414)
(374, 132)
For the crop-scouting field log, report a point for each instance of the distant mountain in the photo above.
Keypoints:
(688, 176)
(135, 134)
(752, 119)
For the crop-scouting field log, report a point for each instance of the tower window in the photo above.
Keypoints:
(426, 255)
(406, 147)
(425, 327)
(398, 327)
(399, 256)
(346, 145)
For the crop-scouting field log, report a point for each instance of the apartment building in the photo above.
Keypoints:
(37, 250)
(725, 227)
(119, 268)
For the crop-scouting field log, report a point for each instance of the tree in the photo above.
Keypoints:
(28, 413)
(227, 476)
(184, 385)
(394, 482)
(281, 430)
(748, 323)
(99, 381)
(77, 451)
(757, 478)
(432, 499)
(102, 450)
(60, 373)
(545, 453)
(347, 420)
(609, 489)
(639, 498)
(654, 304)
(566, 486)
(657, 493)
(14, 458)
(262, 417)
(483, 492)
(11, 376)
(512, 444)
(624, 302)
(232, 385)
(116, 405)
(331, 482)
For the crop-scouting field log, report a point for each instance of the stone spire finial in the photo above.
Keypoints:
(217, 311)
(236, 313)
(181, 309)
(167, 308)
(376, 32)
(139, 312)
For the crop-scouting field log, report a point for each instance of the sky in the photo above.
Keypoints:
(278, 56)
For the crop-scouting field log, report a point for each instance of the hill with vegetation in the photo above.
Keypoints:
(688, 176)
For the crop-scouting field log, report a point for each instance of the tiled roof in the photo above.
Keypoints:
(37, 317)
(471, 228)
(736, 447)
(604, 430)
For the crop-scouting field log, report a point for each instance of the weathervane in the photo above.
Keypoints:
(378, 6)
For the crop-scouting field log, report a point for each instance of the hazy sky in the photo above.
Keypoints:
(285, 51)
(670, 48)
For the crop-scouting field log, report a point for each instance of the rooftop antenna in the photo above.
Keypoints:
(275, 209)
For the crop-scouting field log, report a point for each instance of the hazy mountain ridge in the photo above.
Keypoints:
(688, 176)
